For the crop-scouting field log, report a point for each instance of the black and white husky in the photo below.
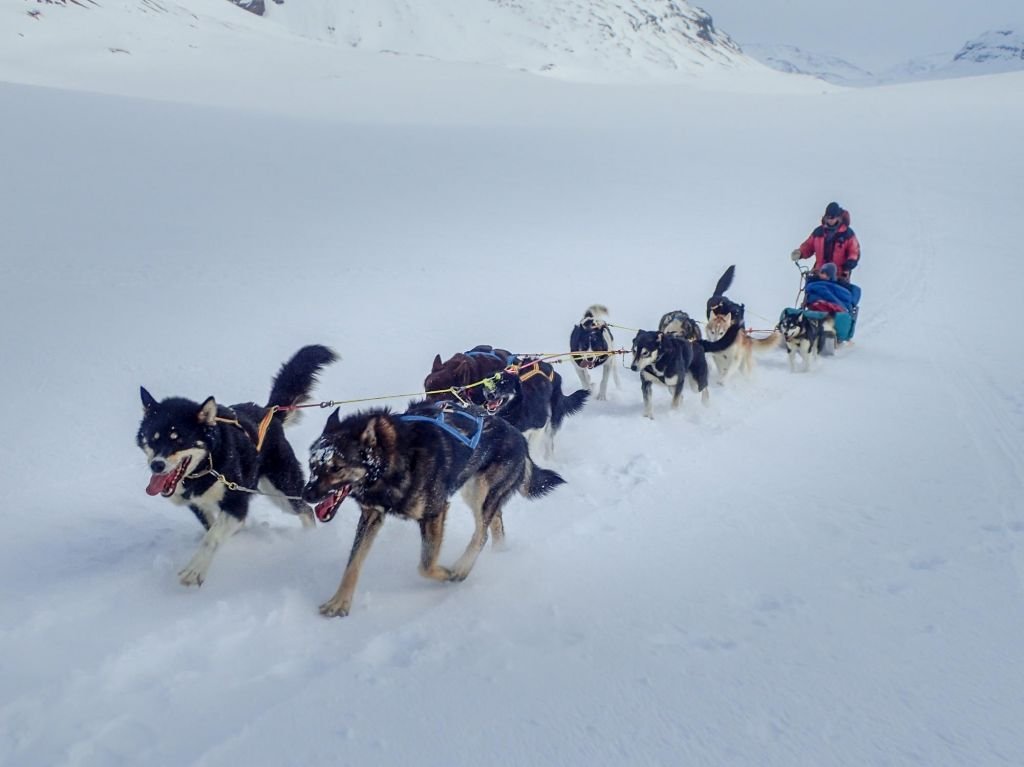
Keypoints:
(804, 335)
(187, 444)
(528, 394)
(590, 342)
(668, 359)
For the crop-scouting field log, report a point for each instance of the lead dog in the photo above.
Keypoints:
(670, 360)
(590, 341)
(185, 442)
(409, 466)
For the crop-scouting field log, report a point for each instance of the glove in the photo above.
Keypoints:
(795, 255)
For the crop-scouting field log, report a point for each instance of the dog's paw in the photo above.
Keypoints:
(191, 576)
(456, 576)
(334, 608)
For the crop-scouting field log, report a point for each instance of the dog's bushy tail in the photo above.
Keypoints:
(725, 281)
(538, 481)
(597, 312)
(771, 342)
(562, 406)
(294, 382)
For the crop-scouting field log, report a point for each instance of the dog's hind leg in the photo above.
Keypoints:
(473, 493)
(497, 531)
(431, 534)
(584, 376)
(486, 494)
(606, 373)
(367, 528)
(536, 440)
(280, 469)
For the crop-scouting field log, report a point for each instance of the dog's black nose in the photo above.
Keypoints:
(310, 493)
(158, 466)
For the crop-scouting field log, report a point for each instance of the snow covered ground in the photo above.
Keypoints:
(816, 569)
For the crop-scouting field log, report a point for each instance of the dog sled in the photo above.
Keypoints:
(819, 299)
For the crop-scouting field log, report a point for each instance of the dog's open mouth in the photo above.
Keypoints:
(492, 406)
(165, 484)
(328, 507)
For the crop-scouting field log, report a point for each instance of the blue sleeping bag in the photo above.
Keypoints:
(834, 292)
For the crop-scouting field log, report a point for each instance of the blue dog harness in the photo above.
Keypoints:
(469, 441)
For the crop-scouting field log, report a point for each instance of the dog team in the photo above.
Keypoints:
(486, 414)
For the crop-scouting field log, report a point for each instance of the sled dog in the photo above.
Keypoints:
(668, 359)
(541, 399)
(592, 334)
(720, 305)
(740, 353)
(185, 442)
(679, 324)
(537, 416)
(804, 335)
(409, 466)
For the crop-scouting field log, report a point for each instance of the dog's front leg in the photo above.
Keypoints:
(809, 356)
(369, 524)
(790, 355)
(223, 527)
(485, 497)
(606, 373)
(645, 389)
(677, 392)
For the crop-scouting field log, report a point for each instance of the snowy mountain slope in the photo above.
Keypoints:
(795, 60)
(654, 38)
(606, 40)
(992, 52)
(995, 47)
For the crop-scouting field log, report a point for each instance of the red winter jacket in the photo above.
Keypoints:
(839, 247)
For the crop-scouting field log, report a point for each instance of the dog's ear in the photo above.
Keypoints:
(660, 336)
(148, 403)
(333, 421)
(208, 412)
(437, 364)
(379, 434)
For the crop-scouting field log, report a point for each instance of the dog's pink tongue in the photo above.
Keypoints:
(158, 482)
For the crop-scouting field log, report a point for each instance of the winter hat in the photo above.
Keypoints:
(833, 209)
(828, 271)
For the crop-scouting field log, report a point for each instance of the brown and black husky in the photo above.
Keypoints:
(409, 465)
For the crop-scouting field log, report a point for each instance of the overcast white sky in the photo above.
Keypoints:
(873, 34)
